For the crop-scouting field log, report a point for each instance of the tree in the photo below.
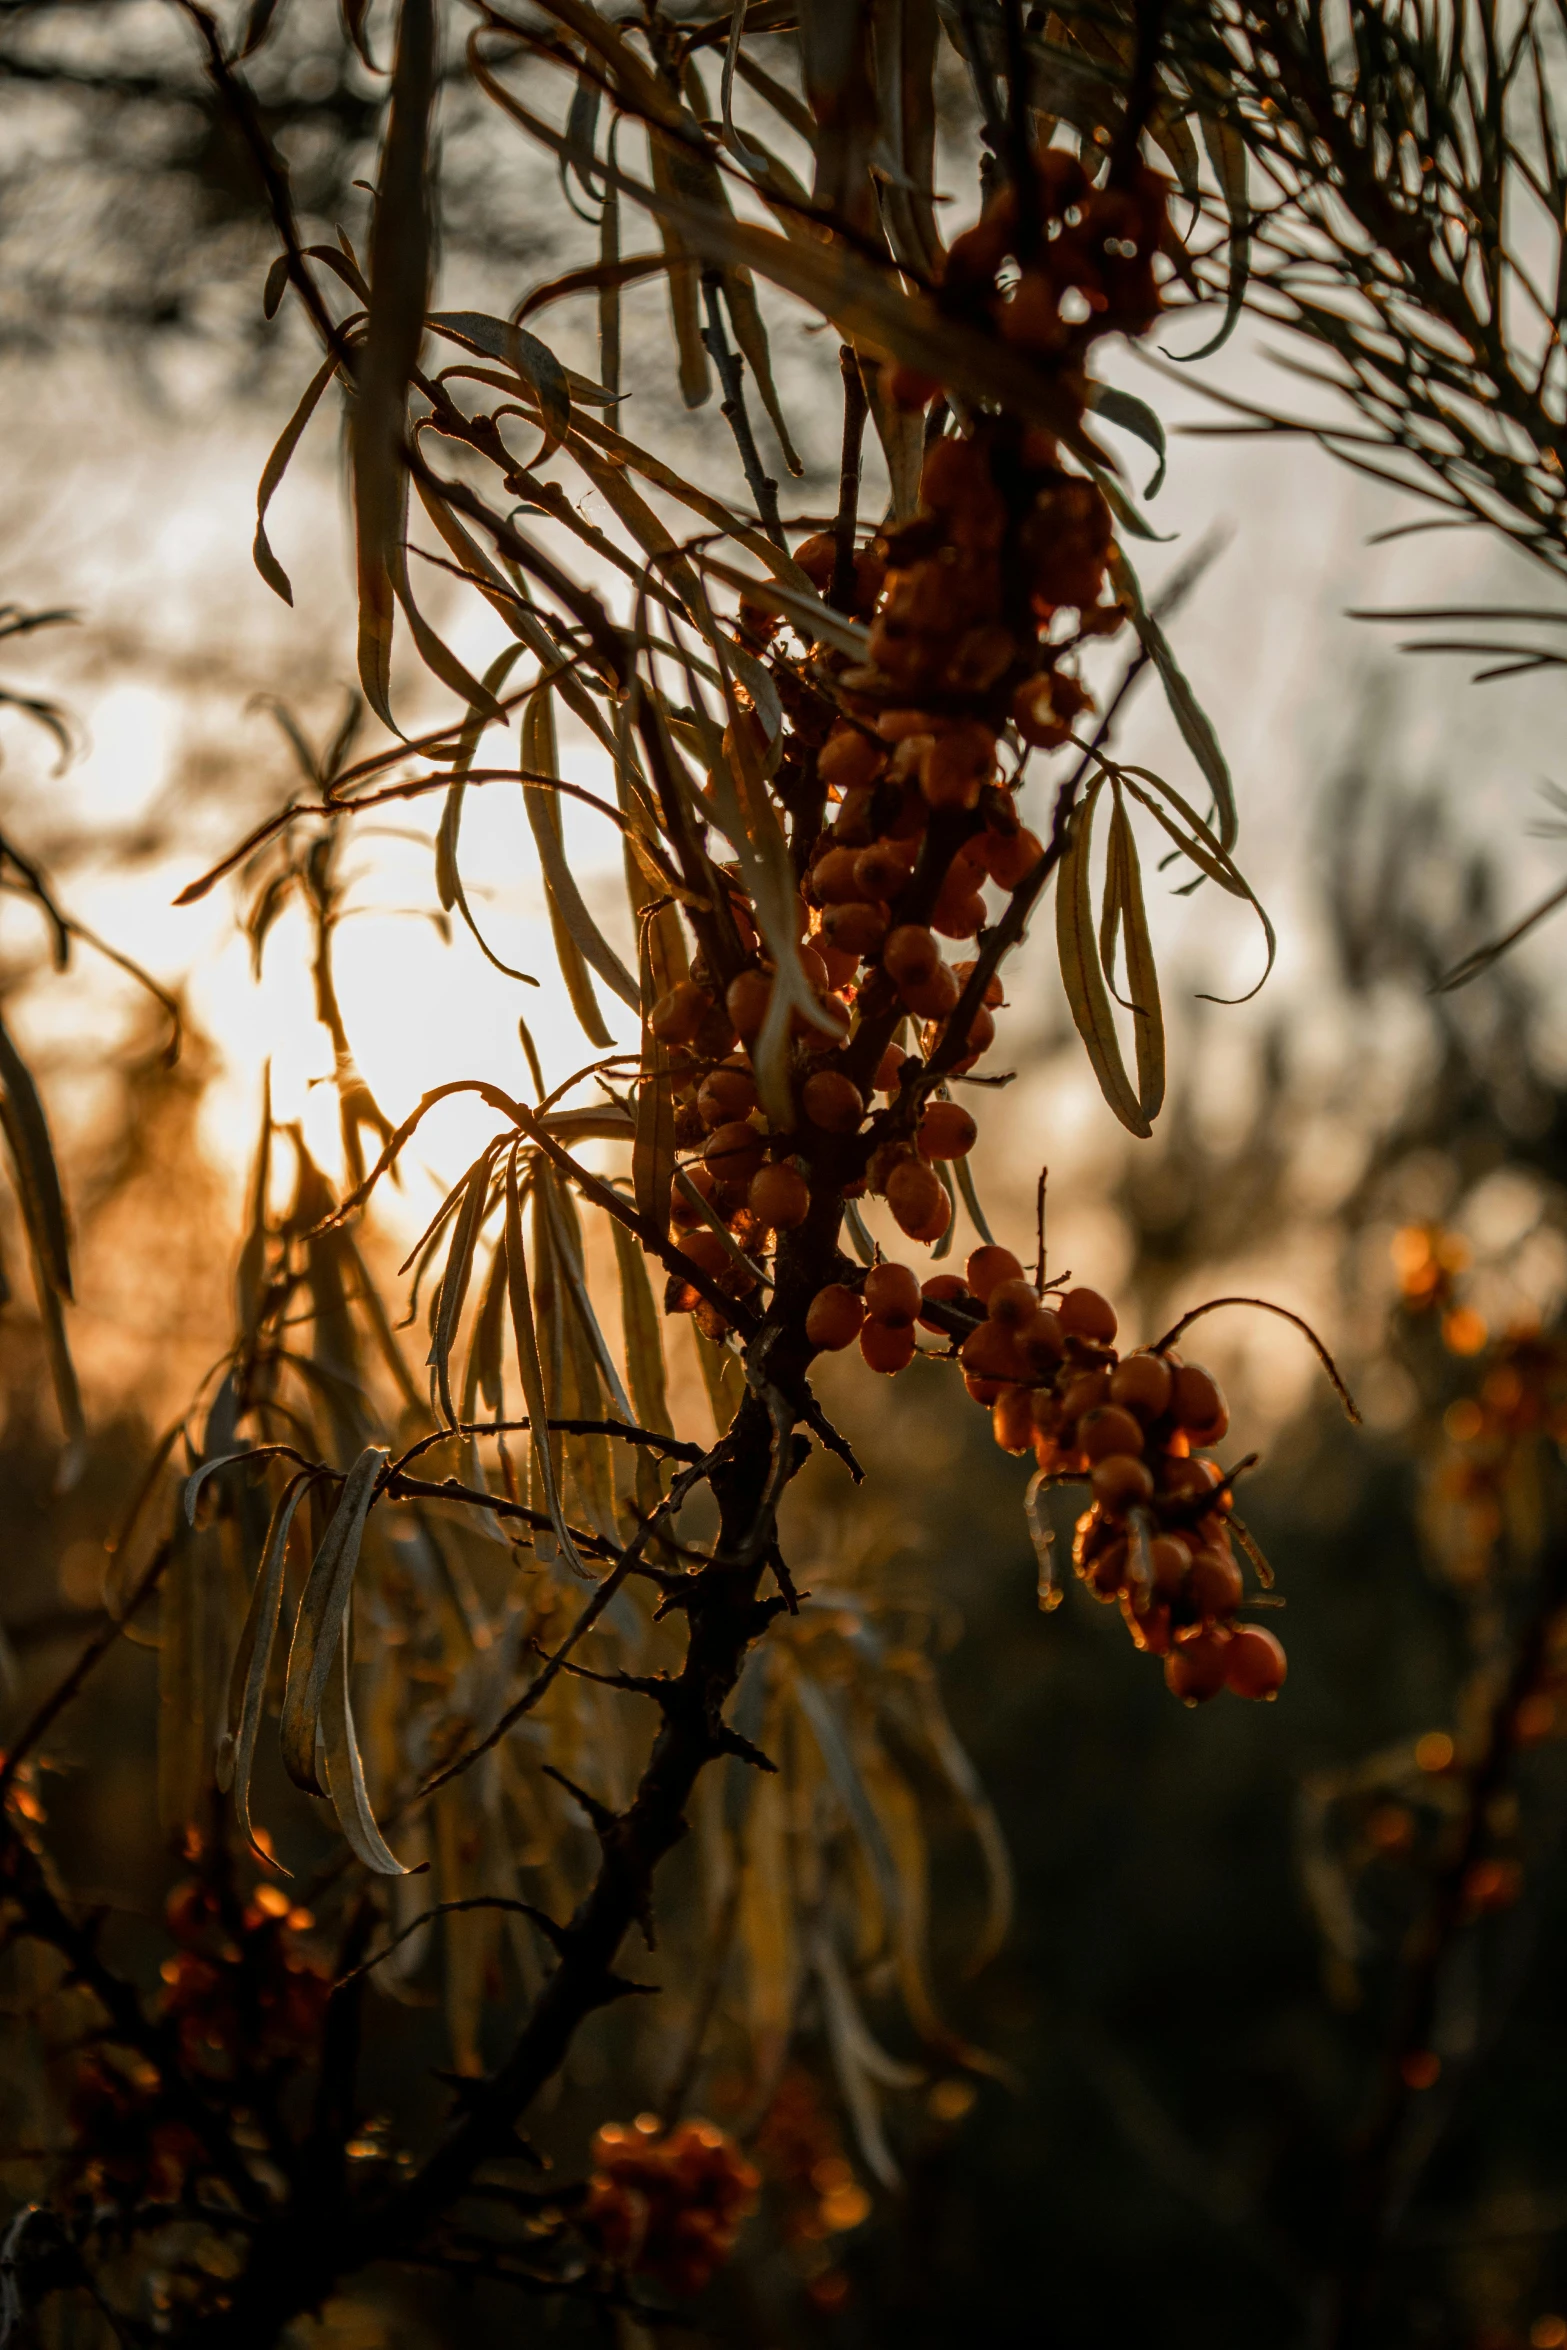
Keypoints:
(816, 745)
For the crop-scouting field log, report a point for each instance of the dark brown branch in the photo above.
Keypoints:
(856, 407)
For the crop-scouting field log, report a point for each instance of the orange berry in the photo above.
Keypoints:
(893, 1295)
(910, 955)
(1169, 1558)
(882, 870)
(1012, 857)
(990, 1352)
(1196, 1670)
(1255, 1664)
(747, 1002)
(946, 1131)
(1084, 1393)
(889, 1069)
(833, 878)
(995, 994)
(734, 1152)
(725, 1095)
(848, 760)
(933, 998)
(1214, 1586)
(1013, 1303)
(832, 1101)
(1142, 1385)
(1121, 1483)
(708, 1252)
(985, 1391)
(1085, 1314)
(988, 1267)
(840, 966)
(1041, 1339)
(677, 1016)
(918, 1200)
(942, 1289)
(856, 930)
(957, 765)
(1106, 1430)
(833, 1317)
(779, 1196)
(1009, 1418)
(958, 913)
(886, 1349)
(1197, 1404)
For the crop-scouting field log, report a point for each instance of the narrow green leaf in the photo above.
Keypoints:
(530, 1370)
(447, 1305)
(643, 1333)
(323, 1610)
(1142, 977)
(346, 1774)
(1133, 416)
(399, 284)
(1080, 972)
(272, 474)
(253, 1657)
(1195, 725)
(653, 1145)
(1226, 151)
(578, 939)
(534, 362)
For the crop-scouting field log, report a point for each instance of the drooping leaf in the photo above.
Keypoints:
(345, 1770)
(1195, 725)
(1124, 894)
(399, 285)
(33, 1162)
(446, 1309)
(272, 474)
(530, 1370)
(644, 1339)
(578, 939)
(1080, 972)
(253, 1657)
(1226, 151)
(1133, 416)
(322, 1618)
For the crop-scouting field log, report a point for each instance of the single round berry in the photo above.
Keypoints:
(1214, 1586)
(1121, 1483)
(779, 1196)
(910, 956)
(1085, 1314)
(677, 1016)
(886, 1349)
(988, 1267)
(1170, 1558)
(1142, 1384)
(832, 1101)
(991, 1352)
(724, 1095)
(1255, 1663)
(918, 1200)
(1012, 858)
(1013, 1302)
(1195, 1670)
(1042, 1340)
(889, 1069)
(856, 929)
(734, 1152)
(1196, 1403)
(1084, 1394)
(893, 1296)
(1107, 1430)
(833, 878)
(747, 1001)
(946, 1131)
(833, 1317)
(931, 997)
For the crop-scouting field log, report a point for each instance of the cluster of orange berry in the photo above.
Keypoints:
(668, 2204)
(241, 1982)
(977, 608)
(1155, 1536)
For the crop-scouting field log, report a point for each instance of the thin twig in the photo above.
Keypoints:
(730, 369)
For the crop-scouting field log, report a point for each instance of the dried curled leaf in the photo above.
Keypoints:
(322, 1622)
